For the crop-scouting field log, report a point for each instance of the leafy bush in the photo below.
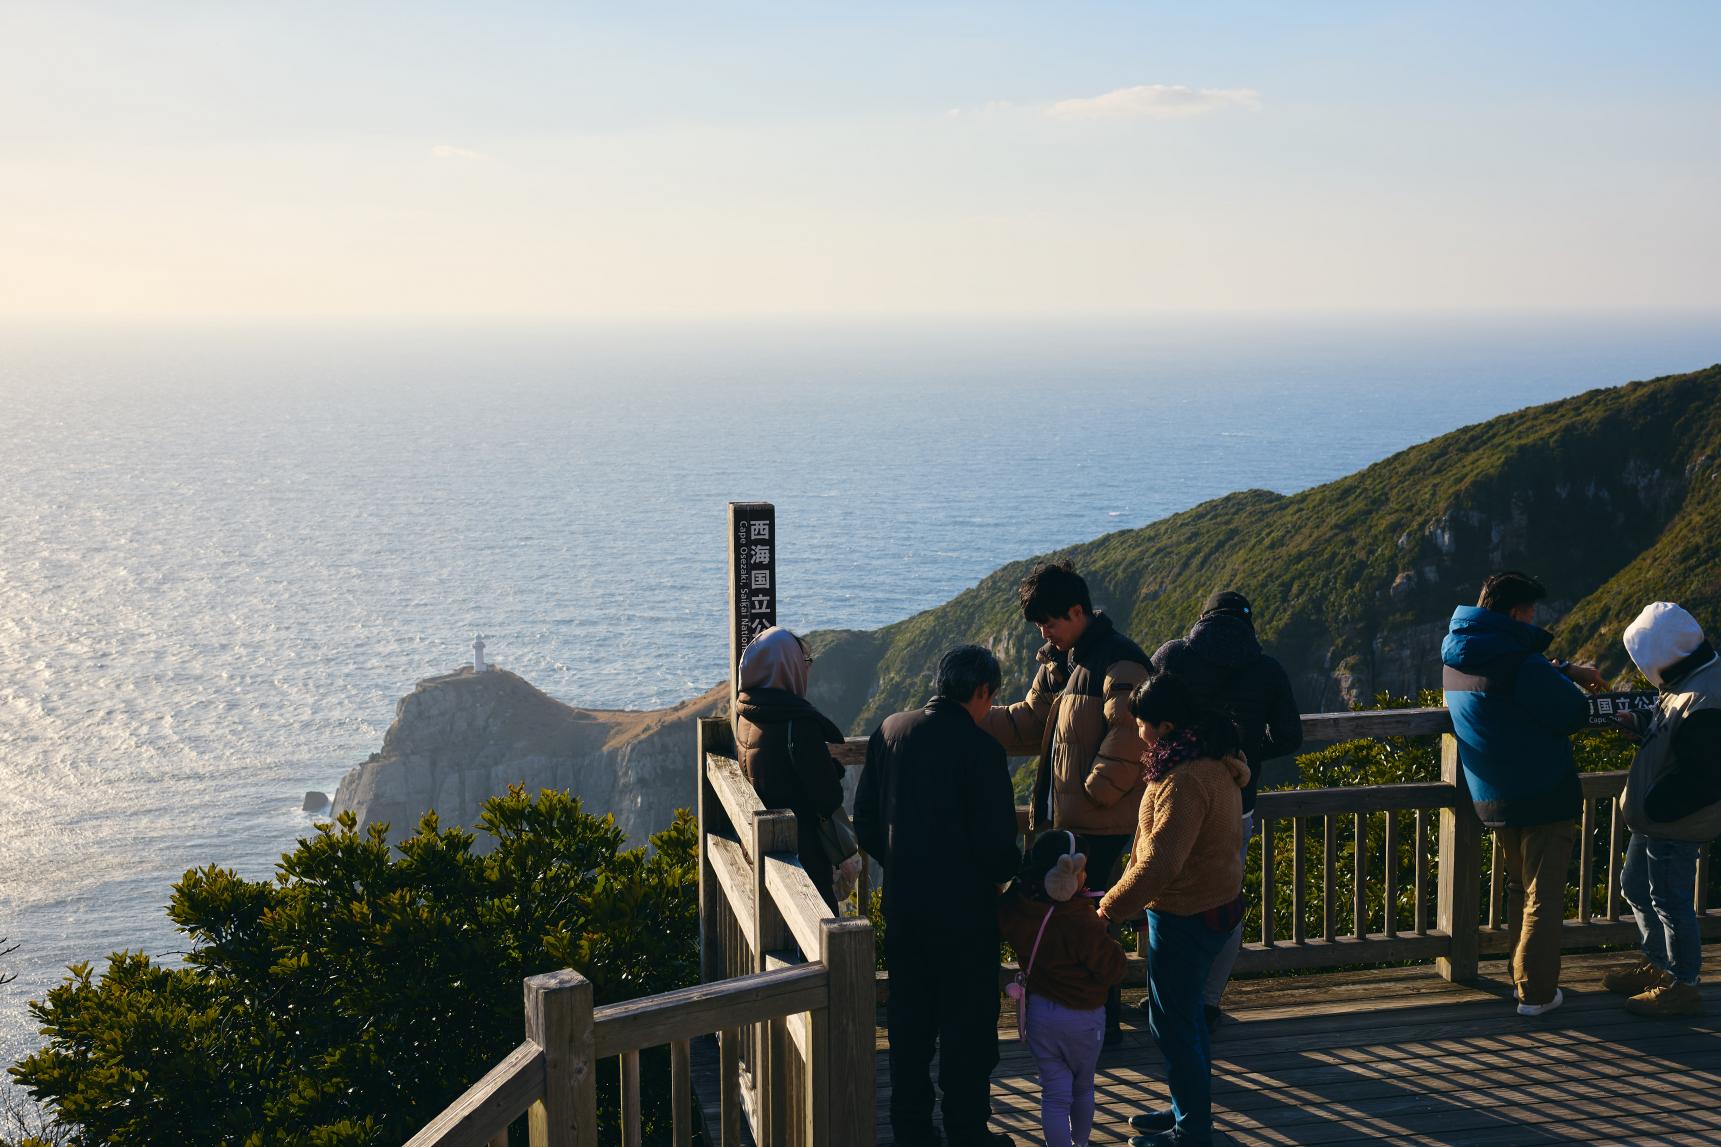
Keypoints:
(356, 994)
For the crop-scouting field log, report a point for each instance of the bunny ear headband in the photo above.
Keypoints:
(1064, 877)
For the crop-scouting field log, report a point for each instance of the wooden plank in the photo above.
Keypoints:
(630, 1109)
(1330, 727)
(651, 1021)
(1615, 855)
(729, 1085)
(734, 874)
(1421, 860)
(1586, 859)
(773, 832)
(799, 902)
(1457, 886)
(1496, 886)
(711, 819)
(559, 1020)
(1298, 879)
(1600, 786)
(1389, 877)
(681, 1092)
(847, 1044)
(495, 1101)
(1281, 803)
(1375, 948)
(1267, 882)
(736, 797)
(1329, 869)
(1359, 881)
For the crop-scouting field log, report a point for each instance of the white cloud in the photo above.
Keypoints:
(446, 151)
(1156, 101)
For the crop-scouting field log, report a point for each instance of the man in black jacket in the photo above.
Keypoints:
(1221, 657)
(935, 808)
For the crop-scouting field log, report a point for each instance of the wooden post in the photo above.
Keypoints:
(681, 1092)
(772, 832)
(1266, 884)
(841, 1074)
(1457, 888)
(631, 1114)
(559, 1020)
(728, 1086)
(711, 819)
(752, 578)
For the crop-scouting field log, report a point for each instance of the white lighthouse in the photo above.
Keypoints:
(478, 665)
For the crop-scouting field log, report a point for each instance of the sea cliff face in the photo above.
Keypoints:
(462, 737)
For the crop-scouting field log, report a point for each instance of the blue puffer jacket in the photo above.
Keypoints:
(1514, 714)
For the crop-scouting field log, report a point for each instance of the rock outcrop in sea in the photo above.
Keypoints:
(462, 737)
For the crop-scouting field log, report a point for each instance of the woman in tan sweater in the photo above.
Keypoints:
(1184, 868)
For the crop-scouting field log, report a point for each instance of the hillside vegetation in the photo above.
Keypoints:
(1610, 497)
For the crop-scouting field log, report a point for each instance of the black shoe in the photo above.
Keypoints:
(927, 1138)
(1172, 1138)
(1215, 1017)
(987, 1138)
(1114, 1035)
(1161, 1120)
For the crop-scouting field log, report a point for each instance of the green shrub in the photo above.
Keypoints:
(353, 996)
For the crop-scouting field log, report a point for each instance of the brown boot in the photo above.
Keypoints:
(1668, 998)
(1631, 979)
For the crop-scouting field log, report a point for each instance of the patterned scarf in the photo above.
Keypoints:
(1167, 753)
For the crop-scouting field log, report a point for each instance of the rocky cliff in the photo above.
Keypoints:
(462, 737)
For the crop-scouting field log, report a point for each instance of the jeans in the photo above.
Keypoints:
(943, 998)
(1180, 954)
(1660, 881)
(1537, 857)
(1066, 1045)
(1227, 958)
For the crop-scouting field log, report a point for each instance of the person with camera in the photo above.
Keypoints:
(1514, 712)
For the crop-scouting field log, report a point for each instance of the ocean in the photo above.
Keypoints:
(225, 553)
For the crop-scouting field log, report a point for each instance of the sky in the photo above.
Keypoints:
(526, 161)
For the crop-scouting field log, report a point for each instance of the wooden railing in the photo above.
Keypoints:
(1444, 917)
(788, 992)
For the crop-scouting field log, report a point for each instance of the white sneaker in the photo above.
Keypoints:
(1539, 1009)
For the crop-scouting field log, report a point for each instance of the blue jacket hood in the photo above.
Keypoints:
(1479, 636)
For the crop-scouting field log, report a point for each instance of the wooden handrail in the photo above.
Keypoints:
(495, 1101)
(652, 1021)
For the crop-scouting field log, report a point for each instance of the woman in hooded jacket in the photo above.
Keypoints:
(1186, 869)
(783, 744)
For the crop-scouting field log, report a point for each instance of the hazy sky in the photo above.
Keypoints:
(523, 160)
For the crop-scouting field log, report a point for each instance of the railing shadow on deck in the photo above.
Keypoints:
(790, 991)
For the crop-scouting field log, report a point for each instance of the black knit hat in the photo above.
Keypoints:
(1229, 601)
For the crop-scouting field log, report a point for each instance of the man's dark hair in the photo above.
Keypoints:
(1507, 590)
(966, 668)
(1052, 590)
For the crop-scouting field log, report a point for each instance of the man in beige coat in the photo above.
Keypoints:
(1076, 718)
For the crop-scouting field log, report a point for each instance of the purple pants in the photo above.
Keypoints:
(1066, 1044)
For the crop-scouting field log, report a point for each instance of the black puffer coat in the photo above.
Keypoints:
(781, 742)
(1222, 659)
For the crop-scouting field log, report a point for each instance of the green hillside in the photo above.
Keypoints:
(1610, 497)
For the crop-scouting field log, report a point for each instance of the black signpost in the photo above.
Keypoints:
(752, 577)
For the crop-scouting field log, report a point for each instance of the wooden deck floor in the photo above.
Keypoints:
(1401, 1056)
